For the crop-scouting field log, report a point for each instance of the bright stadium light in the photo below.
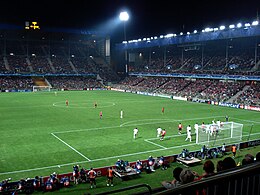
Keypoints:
(231, 26)
(254, 23)
(222, 27)
(123, 16)
(239, 25)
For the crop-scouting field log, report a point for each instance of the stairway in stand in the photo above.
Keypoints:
(39, 81)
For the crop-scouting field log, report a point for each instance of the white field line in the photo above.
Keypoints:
(251, 134)
(78, 105)
(127, 124)
(100, 159)
(95, 160)
(168, 136)
(155, 144)
(250, 121)
(169, 120)
(90, 129)
(106, 158)
(70, 147)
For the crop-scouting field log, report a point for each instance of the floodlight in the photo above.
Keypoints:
(231, 26)
(239, 25)
(254, 23)
(222, 27)
(123, 16)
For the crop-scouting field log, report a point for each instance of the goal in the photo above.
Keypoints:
(212, 134)
(41, 88)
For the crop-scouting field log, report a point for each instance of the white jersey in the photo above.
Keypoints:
(188, 129)
(188, 136)
(135, 133)
(121, 114)
(159, 131)
(212, 129)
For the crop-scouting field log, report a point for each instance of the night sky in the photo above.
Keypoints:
(147, 17)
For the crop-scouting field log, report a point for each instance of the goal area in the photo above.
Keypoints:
(41, 88)
(213, 134)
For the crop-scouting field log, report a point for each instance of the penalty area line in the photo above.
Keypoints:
(101, 159)
(70, 146)
(155, 144)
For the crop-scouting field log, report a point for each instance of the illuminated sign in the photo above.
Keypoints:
(32, 25)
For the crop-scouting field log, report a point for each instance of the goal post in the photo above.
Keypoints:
(41, 88)
(213, 134)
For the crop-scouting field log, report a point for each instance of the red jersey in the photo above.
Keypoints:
(180, 126)
(101, 114)
(163, 132)
(162, 109)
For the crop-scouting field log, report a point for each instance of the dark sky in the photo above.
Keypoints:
(148, 17)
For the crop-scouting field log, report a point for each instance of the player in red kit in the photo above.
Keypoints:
(100, 114)
(180, 128)
(163, 110)
(67, 102)
(163, 133)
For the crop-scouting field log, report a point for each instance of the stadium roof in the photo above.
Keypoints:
(147, 18)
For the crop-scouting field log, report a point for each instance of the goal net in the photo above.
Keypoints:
(41, 88)
(213, 134)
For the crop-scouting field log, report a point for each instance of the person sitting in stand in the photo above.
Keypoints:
(176, 182)
(209, 169)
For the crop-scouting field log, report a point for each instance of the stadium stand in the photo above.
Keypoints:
(221, 70)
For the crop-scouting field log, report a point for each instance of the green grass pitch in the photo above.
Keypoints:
(40, 134)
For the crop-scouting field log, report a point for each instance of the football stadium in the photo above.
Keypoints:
(68, 114)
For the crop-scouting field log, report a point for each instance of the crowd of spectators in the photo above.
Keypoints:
(206, 89)
(186, 175)
(16, 83)
(250, 96)
(73, 83)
